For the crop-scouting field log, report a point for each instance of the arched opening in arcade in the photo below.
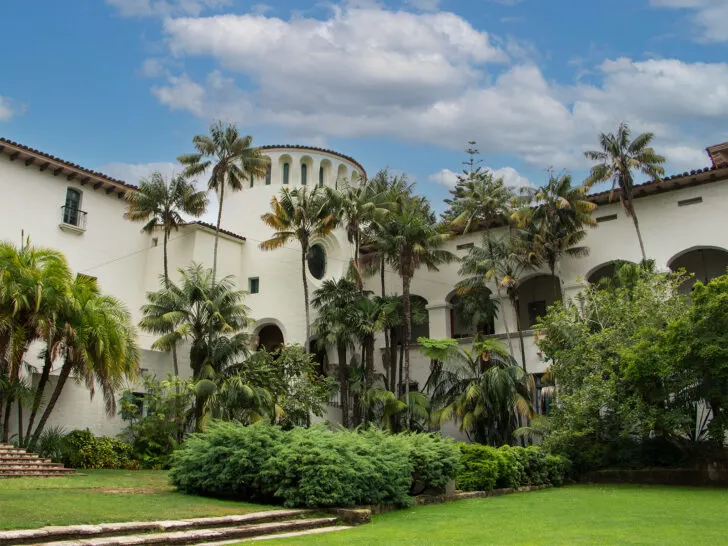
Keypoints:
(535, 295)
(472, 314)
(705, 263)
(270, 338)
(599, 275)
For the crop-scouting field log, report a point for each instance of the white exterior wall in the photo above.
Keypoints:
(128, 265)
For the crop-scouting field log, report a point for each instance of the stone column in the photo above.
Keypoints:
(439, 320)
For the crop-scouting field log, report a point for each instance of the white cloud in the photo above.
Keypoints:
(428, 77)
(260, 9)
(165, 8)
(9, 108)
(446, 177)
(708, 16)
(510, 176)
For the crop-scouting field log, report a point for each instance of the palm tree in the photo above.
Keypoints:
(233, 159)
(617, 159)
(410, 239)
(333, 328)
(34, 283)
(302, 215)
(502, 262)
(483, 389)
(99, 346)
(163, 204)
(554, 217)
(480, 202)
(210, 315)
(358, 208)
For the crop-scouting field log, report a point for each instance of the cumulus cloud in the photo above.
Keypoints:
(424, 5)
(9, 108)
(708, 16)
(432, 78)
(165, 8)
(510, 176)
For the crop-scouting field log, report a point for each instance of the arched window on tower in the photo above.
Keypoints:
(304, 173)
(286, 172)
(267, 175)
(251, 180)
(321, 175)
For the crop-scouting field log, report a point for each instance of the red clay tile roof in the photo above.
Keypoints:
(212, 227)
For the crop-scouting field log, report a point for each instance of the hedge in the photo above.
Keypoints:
(81, 449)
(313, 467)
(485, 468)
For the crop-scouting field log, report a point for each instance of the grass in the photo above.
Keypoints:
(579, 514)
(103, 496)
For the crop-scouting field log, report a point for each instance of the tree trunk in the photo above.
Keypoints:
(45, 374)
(16, 361)
(62, 378)
(343, 390)
(407, 334)
(639, 234)
(166, 285)
(400, 381)
(514, 302)
(392, 356)
(217, 231)
(20, 422)
(381, 273)
(304, 252)
(369, 361)
(505, 323)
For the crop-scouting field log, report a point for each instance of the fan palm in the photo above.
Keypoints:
(483, 389)
(34, 283)
(410, 238)
(232, 159)
(99, 346)
(618, 158)
(302, 215)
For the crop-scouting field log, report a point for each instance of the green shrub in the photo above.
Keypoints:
(312, 467)
(480, 466)
(557, 468)
(533, 459)
(510, 469)
(51, 443)
(81, 449)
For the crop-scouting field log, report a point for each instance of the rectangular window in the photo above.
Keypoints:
(254, 285)
(321, 176)
(466, 246)
(688, 202)
(267, 176)
(607, 218)
(251, 180)
(71, 210)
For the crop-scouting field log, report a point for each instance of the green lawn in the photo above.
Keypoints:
(579, 514)
(103, 496)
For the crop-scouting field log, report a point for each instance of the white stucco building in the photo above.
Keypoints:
(80, 212)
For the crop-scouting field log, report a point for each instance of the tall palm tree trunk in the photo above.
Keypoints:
(20, 422)
(16, 359)
(407, 333)
(505, 321)
(217, 231)
(166, 285)
(304, 252)
(636, 223)
(42, 382)
(343, 390)
(62, 378)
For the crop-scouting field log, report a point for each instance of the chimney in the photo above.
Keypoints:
(719, 155)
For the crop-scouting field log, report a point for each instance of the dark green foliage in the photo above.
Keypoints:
(81, 449)
(312, 467)
(51, 443)
(485, 467)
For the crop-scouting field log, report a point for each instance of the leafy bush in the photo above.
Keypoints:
(81, 449)
(485, 467)
(51, 443)
(310, 467)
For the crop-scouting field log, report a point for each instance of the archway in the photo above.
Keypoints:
(535, 295)
(421, 327)
(471, 314)
(341, 177)
(705, 263)
(270, 337)
(306, 171)
(605, 271)
(324, 175)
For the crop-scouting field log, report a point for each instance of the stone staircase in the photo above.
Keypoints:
(18, 463)
(200, 531)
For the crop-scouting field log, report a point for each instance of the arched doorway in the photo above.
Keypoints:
(605, 271)
(270, 337)
(535, 295)
(705, 263)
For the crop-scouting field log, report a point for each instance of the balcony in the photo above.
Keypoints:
(73, 220)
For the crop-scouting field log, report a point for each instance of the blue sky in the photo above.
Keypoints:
(123, 85)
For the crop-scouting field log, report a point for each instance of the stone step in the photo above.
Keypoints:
(316, 531)
(197, 536)
(36, 468)
(103, 530)
(45, 473)
(24, 460)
